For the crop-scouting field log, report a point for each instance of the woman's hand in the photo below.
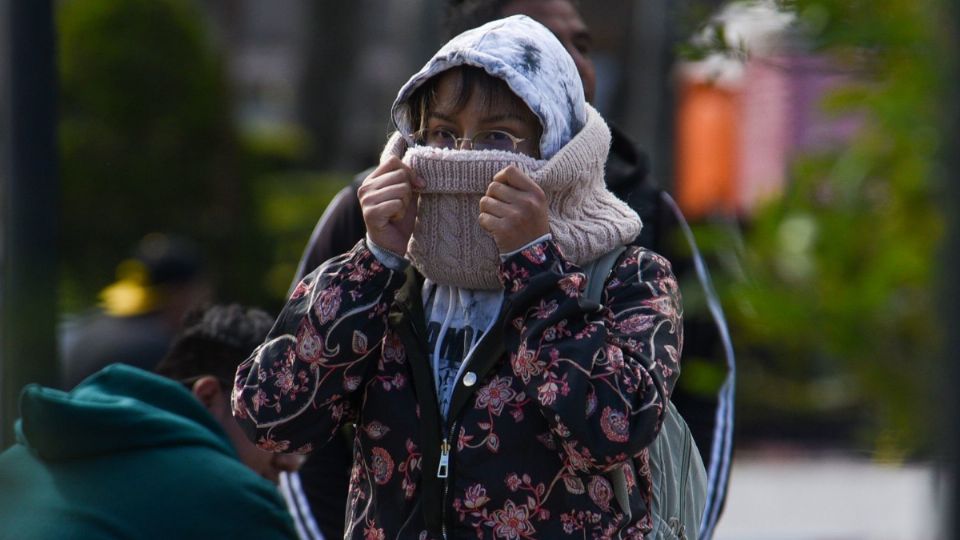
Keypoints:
(388, 199)
(514, 210)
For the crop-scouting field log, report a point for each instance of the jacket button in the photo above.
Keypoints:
(469, 378)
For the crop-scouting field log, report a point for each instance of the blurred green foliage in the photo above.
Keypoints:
(290, 204)
(148, 144)
(146, 139)
(836, 311)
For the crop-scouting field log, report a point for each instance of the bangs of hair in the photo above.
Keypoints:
(492, 93)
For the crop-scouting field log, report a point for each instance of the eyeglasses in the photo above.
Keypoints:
(483, 140)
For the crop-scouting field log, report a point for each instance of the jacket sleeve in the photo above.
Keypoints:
(600, 374)
(297, 389)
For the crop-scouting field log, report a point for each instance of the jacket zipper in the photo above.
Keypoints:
(443, 466)
(409, 332)
(443, 471)
(446, 445)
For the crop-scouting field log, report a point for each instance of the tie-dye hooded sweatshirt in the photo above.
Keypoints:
(559, 392)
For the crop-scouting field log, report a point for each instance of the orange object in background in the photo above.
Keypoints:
(707, 149)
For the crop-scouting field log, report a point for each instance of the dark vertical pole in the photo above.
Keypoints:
(649, 93)
(333, 44)
(28, 299)
(951, 281)
(645, 95)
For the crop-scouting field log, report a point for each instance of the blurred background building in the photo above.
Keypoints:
(289, 60)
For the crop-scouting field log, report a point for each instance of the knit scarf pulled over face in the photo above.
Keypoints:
(449, 247)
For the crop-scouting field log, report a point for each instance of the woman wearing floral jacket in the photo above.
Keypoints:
(492, 399)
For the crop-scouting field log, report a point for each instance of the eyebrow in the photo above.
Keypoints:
(439, 115)
(503, 116)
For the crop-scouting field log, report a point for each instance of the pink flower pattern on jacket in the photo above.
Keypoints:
(576, 393)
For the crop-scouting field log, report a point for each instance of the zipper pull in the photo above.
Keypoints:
(444, 459)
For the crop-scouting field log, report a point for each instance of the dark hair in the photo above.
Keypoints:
(492, 92)
(462, 15)
(214, 341)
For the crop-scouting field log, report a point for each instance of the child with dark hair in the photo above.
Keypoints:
(492, 398)
(205, 356)
(134, 454)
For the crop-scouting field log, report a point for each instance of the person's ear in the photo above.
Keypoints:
(207, 390)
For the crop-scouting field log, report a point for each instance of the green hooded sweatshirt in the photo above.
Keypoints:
(129, 454)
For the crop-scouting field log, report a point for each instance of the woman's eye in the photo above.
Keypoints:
(494, 140)
(494, 136)
(441, 138)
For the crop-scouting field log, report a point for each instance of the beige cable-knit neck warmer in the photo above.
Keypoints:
(449, 247)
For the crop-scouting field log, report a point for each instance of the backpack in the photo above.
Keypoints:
(679, 477)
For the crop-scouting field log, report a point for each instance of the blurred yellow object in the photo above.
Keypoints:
(132, 294)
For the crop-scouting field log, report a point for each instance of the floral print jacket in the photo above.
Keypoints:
(559, 393)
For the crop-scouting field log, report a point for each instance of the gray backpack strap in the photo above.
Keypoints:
(621, 491)
(679, 480)
(679, 477)
(597, 272)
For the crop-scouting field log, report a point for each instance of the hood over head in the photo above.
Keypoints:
(529, 58)
(119, 408)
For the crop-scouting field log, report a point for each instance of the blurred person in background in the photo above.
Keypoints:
(139, 313)
(132, 454)
(319, 490)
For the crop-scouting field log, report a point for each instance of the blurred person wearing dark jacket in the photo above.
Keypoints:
(318, 492)
(139, 313)
(132, 454)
